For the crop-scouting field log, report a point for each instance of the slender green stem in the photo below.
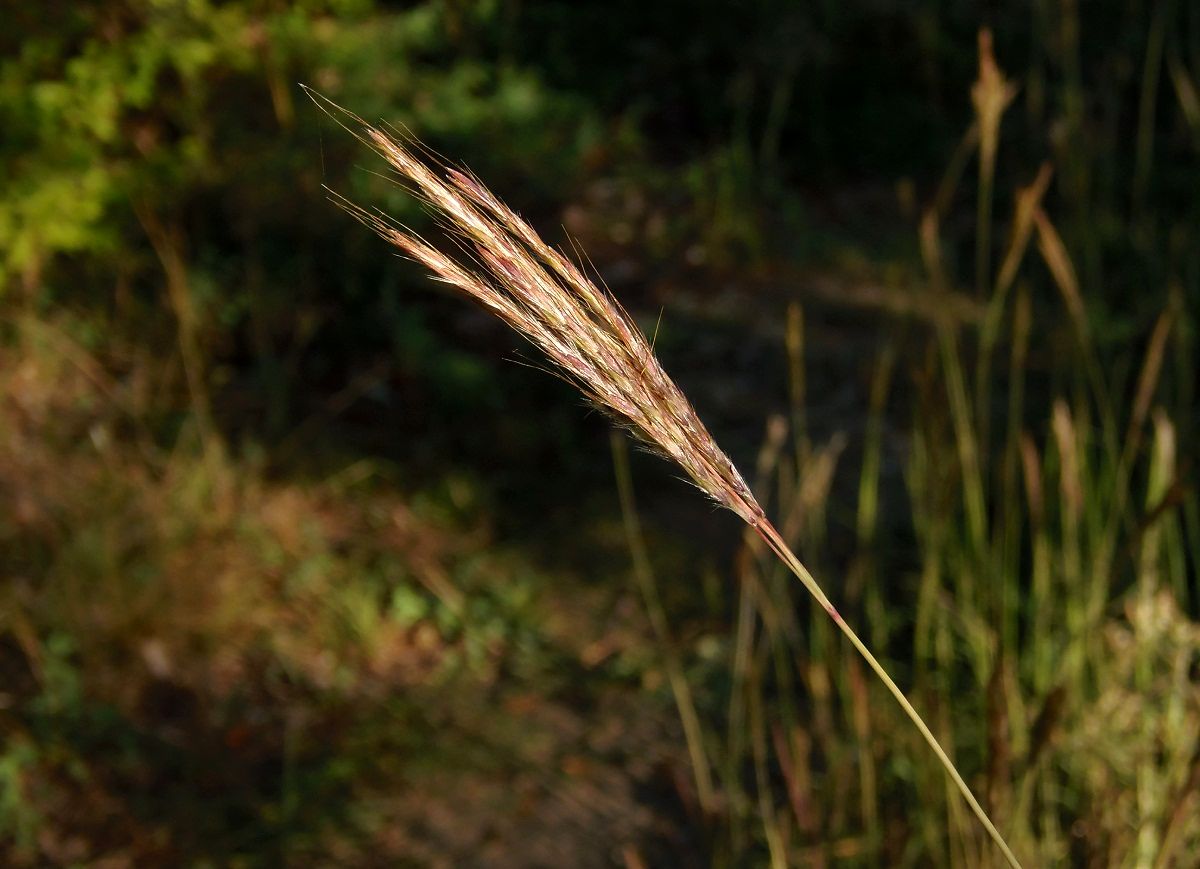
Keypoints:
(772, 538)
(648, 586)
(983, 236)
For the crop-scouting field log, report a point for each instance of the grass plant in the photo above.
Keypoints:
(507, 267)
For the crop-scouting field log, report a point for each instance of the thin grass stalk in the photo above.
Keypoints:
(743, 648)
(948, 185)
(782, 634)
(1054, 254)
(744, 687)
(595, 344)
(1041, 638)
(927, 526)
(762, 777)
(648, 587)
(1106, 519)
(1071, 494)
(1160, 477)
(1028, 200)
(868, 486)
(791, 748)
(1012, 531)
(1148, 381)
(966, 441)
(983, 236)
(867, 777)
(868, 495)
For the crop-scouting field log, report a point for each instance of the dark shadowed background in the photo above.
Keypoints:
(298, 568)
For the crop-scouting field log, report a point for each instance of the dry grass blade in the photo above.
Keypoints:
(581, 328)
(1054, 252)
(1029, 200)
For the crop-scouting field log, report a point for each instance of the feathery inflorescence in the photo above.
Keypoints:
(543, 295)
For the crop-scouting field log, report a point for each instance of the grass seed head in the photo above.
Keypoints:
(507, 267)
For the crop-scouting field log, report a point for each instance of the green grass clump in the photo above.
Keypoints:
(1037, 586)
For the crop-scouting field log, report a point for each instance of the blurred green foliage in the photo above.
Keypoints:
(120, 116)
(136, 132)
